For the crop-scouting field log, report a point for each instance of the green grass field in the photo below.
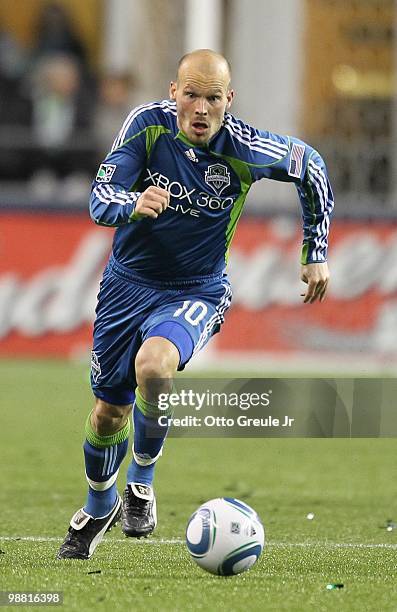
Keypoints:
(350, 486)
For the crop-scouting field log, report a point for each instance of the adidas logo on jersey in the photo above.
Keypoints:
(190, 154)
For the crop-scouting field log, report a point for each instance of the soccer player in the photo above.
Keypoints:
(174, 186)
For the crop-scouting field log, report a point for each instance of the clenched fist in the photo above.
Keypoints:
(152, 202)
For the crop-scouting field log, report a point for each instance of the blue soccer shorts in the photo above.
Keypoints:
(130, 311)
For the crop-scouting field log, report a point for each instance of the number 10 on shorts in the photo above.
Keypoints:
(193, 312)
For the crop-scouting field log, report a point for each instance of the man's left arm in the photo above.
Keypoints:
(303, 165)
(317, 201)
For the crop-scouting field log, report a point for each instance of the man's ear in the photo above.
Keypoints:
(230, 96)
(172, 90)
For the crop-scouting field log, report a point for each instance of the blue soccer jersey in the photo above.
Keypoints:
(208, 185)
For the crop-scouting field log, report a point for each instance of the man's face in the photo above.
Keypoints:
(202, 96)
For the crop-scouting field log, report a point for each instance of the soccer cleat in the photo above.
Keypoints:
(85, 533)
(138, 514)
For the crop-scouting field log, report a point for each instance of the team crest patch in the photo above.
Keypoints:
(217, 176)
(95, 367)
(105, 173)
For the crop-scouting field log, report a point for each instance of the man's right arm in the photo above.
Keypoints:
(114, 200)
(115, 212)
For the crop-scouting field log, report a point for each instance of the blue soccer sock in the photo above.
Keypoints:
(149, 438)
(103, 456)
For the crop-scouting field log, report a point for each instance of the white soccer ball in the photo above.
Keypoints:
(225, 536)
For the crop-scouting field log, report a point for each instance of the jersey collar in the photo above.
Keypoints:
(182, 136)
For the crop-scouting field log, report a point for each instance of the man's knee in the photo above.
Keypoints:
(155, 365)
(107, 419)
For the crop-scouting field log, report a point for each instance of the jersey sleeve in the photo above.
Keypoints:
(295, 161)
(112, 200)
(288, 159)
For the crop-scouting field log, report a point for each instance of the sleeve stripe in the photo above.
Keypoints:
(245, 132)
(320, 189)
(166, 105)
(111, 196)
(320, 240)
(111, 191)
(127, 121)
(318, 180)
(317, 172)
(263, 150)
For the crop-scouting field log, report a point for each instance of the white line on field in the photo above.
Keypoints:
(53, 539)
(181, 541)
(330, 545)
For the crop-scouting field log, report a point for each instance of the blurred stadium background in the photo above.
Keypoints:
(322, 70)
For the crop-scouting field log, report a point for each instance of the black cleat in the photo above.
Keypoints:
(85, 533)
(138, 515)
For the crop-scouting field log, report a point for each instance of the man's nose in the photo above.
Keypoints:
(201, 106)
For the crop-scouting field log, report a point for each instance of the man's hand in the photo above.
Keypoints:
(152, 202)
(316, 275)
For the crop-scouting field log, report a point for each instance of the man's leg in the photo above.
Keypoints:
(174, 331)
(106, 444)
(105, 447)
(156, 363)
